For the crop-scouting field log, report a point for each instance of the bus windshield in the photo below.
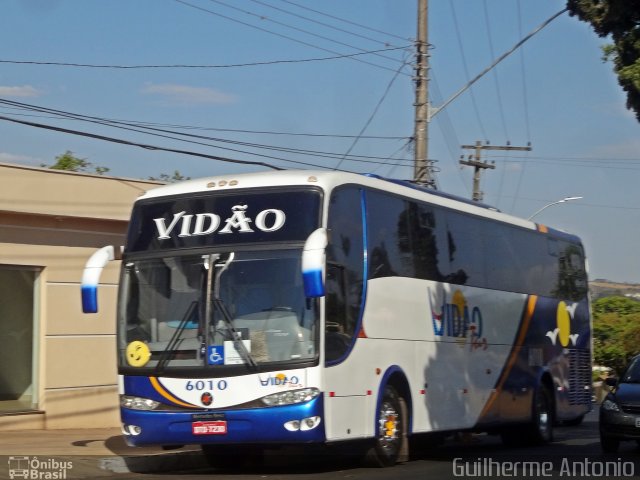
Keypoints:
(215, 310)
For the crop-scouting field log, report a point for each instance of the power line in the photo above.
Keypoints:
(101, 137)
(435, 111)
(135, 144)
(581, 165)
(466, 69)
(495, 72)
(526, 109)
(302, 30)
(344, 20)
(448, 131)
(348, 32)
(571, 159)
(183, 2)
(167, 134)
(232, 65)
(230, 130)
(163, 133)
(371, 117)
(399, 160)
(525, 95)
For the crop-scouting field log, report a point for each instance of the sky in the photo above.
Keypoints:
(333, 77)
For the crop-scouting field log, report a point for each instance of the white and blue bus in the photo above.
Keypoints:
(303, 307)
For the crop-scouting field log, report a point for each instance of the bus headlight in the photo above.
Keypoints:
(290, 397)
(137, 403)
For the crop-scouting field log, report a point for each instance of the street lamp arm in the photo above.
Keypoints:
(566, 199)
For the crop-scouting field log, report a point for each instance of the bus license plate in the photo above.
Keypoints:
(218, 427)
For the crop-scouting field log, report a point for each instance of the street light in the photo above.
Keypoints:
(566, 199)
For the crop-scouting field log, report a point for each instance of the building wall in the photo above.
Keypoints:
(50, 223)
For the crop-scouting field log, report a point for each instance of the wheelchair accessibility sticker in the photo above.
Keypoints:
(215, 355)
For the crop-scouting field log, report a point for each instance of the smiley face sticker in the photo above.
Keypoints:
(138, 354)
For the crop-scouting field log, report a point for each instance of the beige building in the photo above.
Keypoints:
(58, 365)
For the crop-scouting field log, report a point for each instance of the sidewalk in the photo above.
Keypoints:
(94, 452)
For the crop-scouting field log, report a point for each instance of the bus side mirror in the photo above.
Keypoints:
(91, 276)
(313, 263)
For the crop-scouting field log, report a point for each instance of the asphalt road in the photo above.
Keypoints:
(575, 453)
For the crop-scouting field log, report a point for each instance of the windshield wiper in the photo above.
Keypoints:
(170, 350)
(235, 335)
(222, 308)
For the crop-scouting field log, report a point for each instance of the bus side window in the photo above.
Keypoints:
(572, 275)
(345, 270)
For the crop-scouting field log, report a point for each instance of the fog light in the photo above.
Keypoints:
(309, 423)
(293, 425)
(132, 430)
(303, 425)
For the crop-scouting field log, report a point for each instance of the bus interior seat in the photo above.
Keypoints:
(284, 336)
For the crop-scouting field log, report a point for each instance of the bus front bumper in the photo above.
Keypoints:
(275, 425)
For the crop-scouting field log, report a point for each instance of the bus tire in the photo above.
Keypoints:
(542, 417)
(391, 444)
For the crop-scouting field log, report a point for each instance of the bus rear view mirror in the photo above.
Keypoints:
(91, 276)
(313, 263)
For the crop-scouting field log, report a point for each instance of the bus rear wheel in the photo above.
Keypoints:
(390, 445)
(541, 427)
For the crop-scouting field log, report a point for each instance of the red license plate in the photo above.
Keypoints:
(218, 427)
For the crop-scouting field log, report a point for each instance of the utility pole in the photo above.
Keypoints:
(422, 173)
(478, 165)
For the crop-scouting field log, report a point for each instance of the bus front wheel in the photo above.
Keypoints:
(390, 445)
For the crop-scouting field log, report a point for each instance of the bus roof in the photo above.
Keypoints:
(330, 179)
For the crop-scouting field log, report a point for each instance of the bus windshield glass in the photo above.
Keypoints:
(211, 311)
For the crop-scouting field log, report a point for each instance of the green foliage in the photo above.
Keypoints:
(619, 20)
(176, 177)
(616, 331)
(617, 305)
(69, 162)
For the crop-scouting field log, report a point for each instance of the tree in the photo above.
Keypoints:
(176, 177)
(69, 162)
(619, 19)
(616, 331)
